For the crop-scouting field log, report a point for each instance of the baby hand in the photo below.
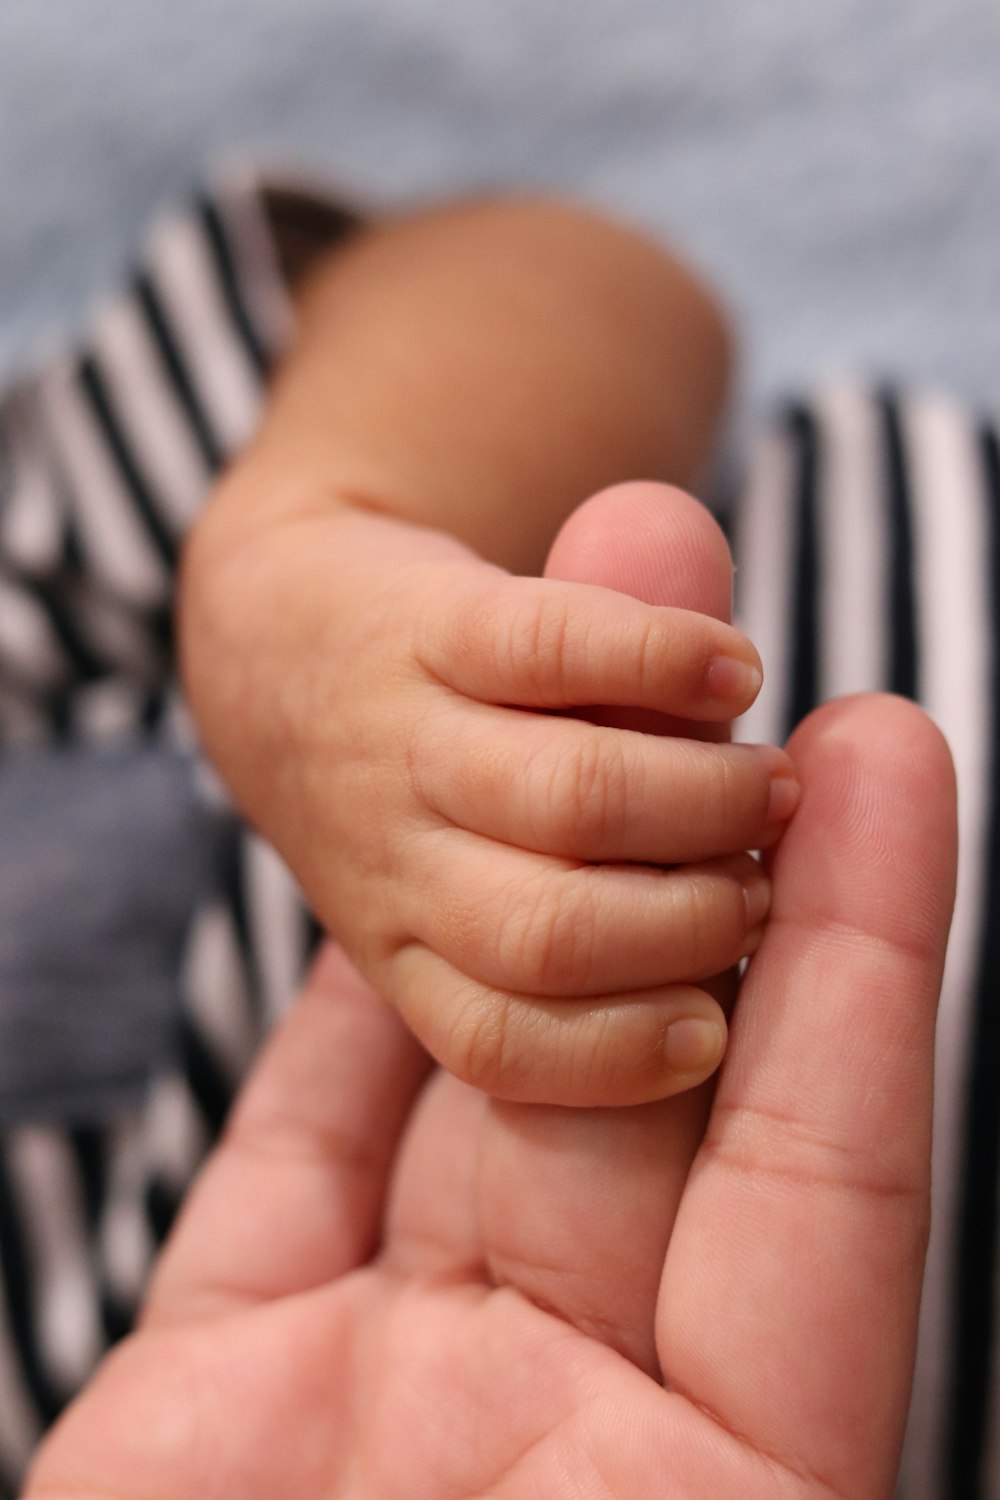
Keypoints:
(540, 895)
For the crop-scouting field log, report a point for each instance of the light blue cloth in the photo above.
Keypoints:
(106, 855)
(835, 165)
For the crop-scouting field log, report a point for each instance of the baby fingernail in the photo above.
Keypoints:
(783, 798)
(730, 678)
(757, 895)
(694, 1045)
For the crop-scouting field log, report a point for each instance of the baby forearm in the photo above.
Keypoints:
(479, 369)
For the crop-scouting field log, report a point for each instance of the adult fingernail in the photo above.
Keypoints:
(757, 896)
(694, 1045)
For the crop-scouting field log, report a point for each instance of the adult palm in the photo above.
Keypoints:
(386, 1287)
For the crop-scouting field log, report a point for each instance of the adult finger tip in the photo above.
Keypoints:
(651, 540)
(887, 724)
(855, 744)
(876, 825)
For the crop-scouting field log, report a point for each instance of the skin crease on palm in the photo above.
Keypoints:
(386, 1287)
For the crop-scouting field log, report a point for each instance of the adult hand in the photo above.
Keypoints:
(386, 1286)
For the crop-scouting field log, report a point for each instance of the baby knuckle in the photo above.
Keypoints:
(601, 1059)
(651, 650)
(423, 751)
(691, 920)
(479, 1050)
(539, 644)
(708, 920)
(588, 794)
(617, 1056)
(725, 792)
(547, 944)
(455, 633)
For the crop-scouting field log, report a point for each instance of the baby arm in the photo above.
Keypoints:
(383, 695)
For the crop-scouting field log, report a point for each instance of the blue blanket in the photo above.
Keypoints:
(834, 165)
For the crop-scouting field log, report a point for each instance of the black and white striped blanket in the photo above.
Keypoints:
(867, 537)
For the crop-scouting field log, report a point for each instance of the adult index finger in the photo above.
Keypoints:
(788, 1308)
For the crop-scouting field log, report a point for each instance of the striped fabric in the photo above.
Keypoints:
(105, 458)
(869, 552)
(868, 545)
